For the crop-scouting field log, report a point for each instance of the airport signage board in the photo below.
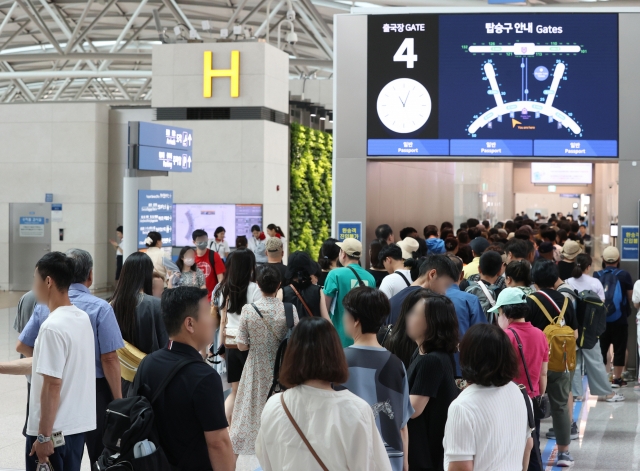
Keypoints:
(155, 213)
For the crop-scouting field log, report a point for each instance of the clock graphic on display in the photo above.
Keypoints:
(404, 105)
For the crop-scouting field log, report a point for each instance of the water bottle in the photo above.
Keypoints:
(143, 448)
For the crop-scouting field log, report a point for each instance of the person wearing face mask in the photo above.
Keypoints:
(190, 274)
(208, 261)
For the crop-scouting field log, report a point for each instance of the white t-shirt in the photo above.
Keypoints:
(636, 299)
(221, 247)
(489, 426)
(394, 283)
(233, 318)
(587, 282)
(65, 349)
(338, 424)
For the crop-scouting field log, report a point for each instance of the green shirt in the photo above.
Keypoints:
(338, 283)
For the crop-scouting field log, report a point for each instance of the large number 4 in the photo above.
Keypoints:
(405, 53)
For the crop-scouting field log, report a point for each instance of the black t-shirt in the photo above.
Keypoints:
(396, 303)
(282, 268)
(565, 269)
(311, 296)
(379, 275)
(192, 403)
(322, 276)
(430, 375)
(537, 317)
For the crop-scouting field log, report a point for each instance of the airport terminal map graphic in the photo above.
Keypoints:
(508, 85)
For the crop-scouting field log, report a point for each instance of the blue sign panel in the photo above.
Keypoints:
(629, 243)
(408, 147)
(164, 160)
(162, 135)
(492, 148)
(349, 230)
(575, 148)
(155, 213)
(32, 220)
(48, 197)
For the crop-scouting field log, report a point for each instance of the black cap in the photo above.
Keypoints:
(300, 261)
(545, 247)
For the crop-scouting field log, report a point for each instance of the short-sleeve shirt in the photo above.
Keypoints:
(210, 273)
(430, 375)
(64, 349)
(626, 284)
(338, 283)
(537, 317)
(378, 376)
(396, 282)
(396, 303)
(536, 351)
(106, 331)
(192, 403)
(636, 294)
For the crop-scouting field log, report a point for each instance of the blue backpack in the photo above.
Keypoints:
(613, 298)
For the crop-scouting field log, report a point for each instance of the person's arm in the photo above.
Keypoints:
(243, 339)
(461, 466)
(24, 349)
(328, 301)
(527, 454)
(324, 311)
(542, 384)
(280, 294)
(49, 403)
(404, 433)
(220, 450)
(16, 367)
(219, 267)
(111, 368)
(418, 403)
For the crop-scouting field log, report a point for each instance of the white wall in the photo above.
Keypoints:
(59, 149)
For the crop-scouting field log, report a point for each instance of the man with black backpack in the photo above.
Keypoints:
(618, 290)
(392, 258)
(189, 410)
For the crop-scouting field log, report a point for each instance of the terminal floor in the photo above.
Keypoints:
(609, 433)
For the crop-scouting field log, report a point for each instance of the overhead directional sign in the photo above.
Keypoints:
(160, 147)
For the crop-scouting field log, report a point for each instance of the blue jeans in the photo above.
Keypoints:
(65, 458)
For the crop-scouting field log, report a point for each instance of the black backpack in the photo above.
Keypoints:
(276, 387)
(131, 420)
(592, 316)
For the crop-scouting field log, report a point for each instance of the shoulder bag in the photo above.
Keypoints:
(532, 425)
(403, 277)
(229, 341)
(306, 307)
(360, 282)
(541, 404)
(304, 439)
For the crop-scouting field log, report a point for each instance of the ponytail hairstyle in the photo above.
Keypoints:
(279, 233)
(329, 252)
(152, 239)
(583, 261)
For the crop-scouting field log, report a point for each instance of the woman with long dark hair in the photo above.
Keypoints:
(275, 231)
(138, 313)
(397, 341)
(327, 259)
(377, 270)
(433, 326)
(300, 291)
(237, 289)
(189, 274)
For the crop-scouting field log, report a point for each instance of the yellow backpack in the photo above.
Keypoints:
(562, 342)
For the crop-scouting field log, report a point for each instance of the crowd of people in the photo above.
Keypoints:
(441, 353)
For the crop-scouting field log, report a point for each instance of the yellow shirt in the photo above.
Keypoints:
(472, 268)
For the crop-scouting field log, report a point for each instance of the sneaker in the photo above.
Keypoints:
(565, 460)
(578, 399)
(615, 398)
(628, 376)
(618, 383)
(551, 434)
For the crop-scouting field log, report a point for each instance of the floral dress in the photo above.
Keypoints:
(257, 375)
(189, 278)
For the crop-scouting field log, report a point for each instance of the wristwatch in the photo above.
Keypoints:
(43, 439)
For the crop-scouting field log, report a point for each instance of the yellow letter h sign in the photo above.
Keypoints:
(233, 73)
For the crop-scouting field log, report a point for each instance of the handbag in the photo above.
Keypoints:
(228, 336)
(304, 439)
(295, 291)
(541, 404)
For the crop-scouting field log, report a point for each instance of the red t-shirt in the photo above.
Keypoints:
(210, 274)
(536, 352)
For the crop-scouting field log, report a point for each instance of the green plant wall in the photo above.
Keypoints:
(310, 186)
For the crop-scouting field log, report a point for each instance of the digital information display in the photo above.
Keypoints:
(561, 173)
(237, 219)
(155, 214)
(164, 148)
(493, 85)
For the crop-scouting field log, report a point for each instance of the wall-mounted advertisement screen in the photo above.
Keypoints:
(561, 173)
(237, 220)
(493, 85)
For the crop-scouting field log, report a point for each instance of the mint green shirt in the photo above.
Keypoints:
(338, 283)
